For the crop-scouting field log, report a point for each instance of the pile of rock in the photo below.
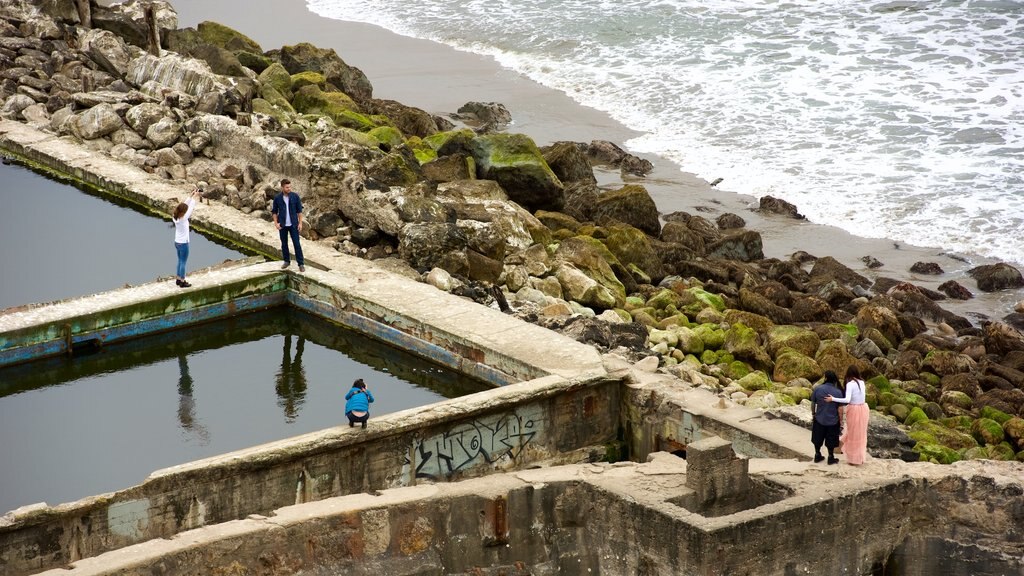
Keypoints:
(475, 210)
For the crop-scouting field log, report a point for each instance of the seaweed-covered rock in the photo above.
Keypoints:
(987, 431)
(515, 162)
(790, 365)
(993, 277)
(947, 362)
(337, 105)
(227, 38)
(1002, 339)
(745, 246)
(829, 267)
(756, 380)
(779, 206)
(1014, 431)
(592, 259)
(277, 77)
(882, 319)
(934, 432)
(833, 355)
(569, 163)
(632, 205)
(799, 339)
(631, 246)
(305, 57)
(742, 342)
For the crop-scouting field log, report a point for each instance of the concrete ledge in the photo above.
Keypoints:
(600, 519)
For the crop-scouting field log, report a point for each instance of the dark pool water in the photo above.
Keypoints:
(76, 427)
(59, 242)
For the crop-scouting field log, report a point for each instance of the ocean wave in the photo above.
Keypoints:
(889, 119)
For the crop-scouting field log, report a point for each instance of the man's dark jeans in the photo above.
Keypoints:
(294, 232)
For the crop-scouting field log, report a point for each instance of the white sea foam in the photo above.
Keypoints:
(896, 119)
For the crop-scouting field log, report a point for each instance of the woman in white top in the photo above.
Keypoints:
(855, 438)
(181, 231)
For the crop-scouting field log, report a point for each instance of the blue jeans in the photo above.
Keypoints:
(182, 258)
(294, 232)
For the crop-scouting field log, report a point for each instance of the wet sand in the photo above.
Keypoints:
(440, 79)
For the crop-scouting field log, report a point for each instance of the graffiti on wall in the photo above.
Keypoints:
(484, 441)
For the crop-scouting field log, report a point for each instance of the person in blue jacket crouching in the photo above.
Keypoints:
(357, 404)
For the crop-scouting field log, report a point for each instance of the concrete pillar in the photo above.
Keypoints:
(715, 472)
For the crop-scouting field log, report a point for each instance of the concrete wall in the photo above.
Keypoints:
(571, 520)
(544, 421)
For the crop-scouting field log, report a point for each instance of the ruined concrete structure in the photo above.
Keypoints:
(563, 468)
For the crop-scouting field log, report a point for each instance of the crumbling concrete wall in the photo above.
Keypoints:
(548, 420)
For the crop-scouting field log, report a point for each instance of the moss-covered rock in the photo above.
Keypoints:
(742, 342)
(255, 62)
(688, 340)
(887, 399)
(261, 106)
(709, 357)
(976, 453)
(388, 135)
(790, 364)
(592, 258)
(277, 78)
(276, 99)
(451, 141)
(987, 431)
(797, 393)
(515, 162)
(934, 432)
(880, 383)
(997, 415)
(799, 339)
(1014, 431)
(956, 403)
(761, 324)
(737, 369)
(632, 205)
(756, 380)
(227, 38)
(930, 379)
(308, 78)
(632, 247)
(833, 355)
(900, 412)
(663, 298)
(931, 452)
(424, 152)
(1002, 451)
(914, 415)
(338, 106)
(948, 362)
(711, 335)
(707, 299)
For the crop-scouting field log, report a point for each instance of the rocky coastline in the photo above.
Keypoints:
(463, 204)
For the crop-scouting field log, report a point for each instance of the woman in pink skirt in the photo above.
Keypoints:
(855, 438)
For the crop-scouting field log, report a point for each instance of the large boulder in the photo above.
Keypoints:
(881, 318)
(593, 259)
(434, 245)
(745, 246)
(163, 133)
(993, 277)
(1002, 338)
(97, 122)
(142, 116)
(742, 342)
(581, 288)
(828, 268)
(175, 72)
(221, 36)
(277, 77)
(678, 232)
(779, 206)
(515, 162)
(338, 106)
(632, 246)
(790, 365)
(493, 228)
(632, 205)
(128, 19)
(569, 163)
(799, 339)
(107, 50)
(348, 79)
(410, 120)
(947, 362)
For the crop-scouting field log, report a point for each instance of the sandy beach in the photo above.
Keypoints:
(440, 79)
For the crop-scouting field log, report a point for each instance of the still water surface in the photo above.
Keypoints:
(72, 428)
(59, 242)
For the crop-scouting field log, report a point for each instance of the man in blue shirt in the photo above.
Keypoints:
(825, 418)
(287, 211)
